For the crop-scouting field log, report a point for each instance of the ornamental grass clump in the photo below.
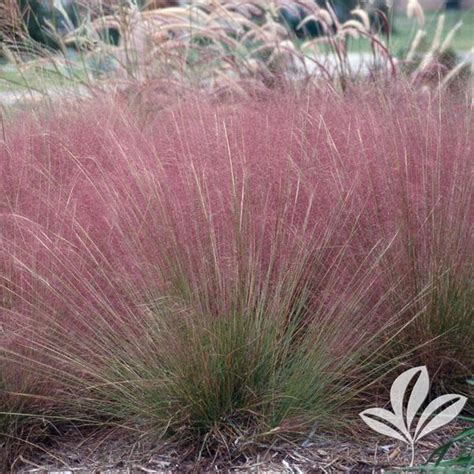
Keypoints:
(419, 184)
(227, 273)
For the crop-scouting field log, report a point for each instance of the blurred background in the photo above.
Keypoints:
(55, 43)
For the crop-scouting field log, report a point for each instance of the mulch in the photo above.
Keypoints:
(116, 452)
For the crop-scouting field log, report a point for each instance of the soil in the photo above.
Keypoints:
(116, 452)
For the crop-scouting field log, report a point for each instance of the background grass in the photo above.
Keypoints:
(404, 30)
(463, 41)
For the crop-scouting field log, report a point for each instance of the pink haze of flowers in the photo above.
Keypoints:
(103, 212)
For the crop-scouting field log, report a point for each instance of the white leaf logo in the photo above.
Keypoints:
(453, 406)
(398, 423)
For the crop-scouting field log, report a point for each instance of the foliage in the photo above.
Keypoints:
(227, 272)
(224, 47)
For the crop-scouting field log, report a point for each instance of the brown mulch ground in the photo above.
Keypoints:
(114, 453)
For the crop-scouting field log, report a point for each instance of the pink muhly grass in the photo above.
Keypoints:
(418, 186)
(225, 271)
